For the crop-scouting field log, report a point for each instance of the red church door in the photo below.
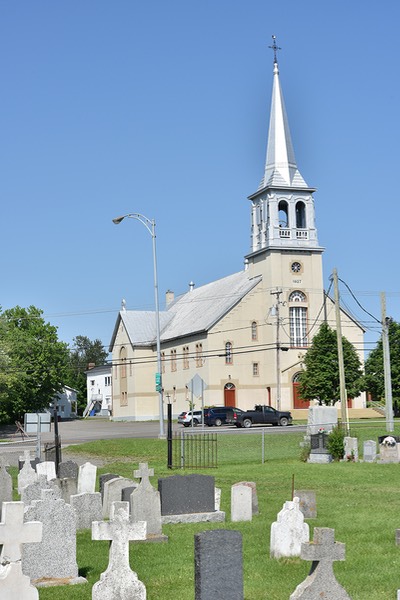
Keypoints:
(298, 402)
(229, 395)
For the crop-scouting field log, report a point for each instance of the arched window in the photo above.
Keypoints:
(297, 296)
(124, 381)
(300, 215)
(296, 377)
(228, 353)
(283, 214)
(254, 331)
(122, 360)
(298, 319)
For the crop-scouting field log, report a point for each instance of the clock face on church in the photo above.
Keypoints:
(296, 267)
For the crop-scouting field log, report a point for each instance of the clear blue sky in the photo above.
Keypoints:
(162, 108)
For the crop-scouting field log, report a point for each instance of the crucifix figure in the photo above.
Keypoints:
(13, 533)
(275, 48)
(144, 473)
(321, 581)
(118, 580)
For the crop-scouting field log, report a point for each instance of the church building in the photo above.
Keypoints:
(225, 333)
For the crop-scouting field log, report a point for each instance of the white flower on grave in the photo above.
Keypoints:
(389, 441)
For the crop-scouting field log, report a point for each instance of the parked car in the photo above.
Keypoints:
(219, 415)
(185, 418)
(262, 415)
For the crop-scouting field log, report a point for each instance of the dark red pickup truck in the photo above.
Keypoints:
(261, 415)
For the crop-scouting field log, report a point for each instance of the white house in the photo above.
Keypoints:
(67, 403)
(99, 391)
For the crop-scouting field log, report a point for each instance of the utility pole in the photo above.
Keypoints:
(342, 379)
(386, 365)
(277, 293)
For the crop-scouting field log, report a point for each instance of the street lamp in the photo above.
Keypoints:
(150, 225)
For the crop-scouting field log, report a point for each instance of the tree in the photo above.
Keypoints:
(84, 353)
(374, 373)
(320, 379)
(35, 362)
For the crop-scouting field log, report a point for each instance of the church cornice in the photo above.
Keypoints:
(281, 189)
(292, 249)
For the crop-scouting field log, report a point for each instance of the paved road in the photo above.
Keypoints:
(87, 430)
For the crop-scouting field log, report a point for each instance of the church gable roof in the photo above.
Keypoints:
(199, 309)
(193, 312)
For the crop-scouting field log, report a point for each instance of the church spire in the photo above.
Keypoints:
(280, 165)
(282, 209)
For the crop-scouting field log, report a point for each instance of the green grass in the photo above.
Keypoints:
(359, 500)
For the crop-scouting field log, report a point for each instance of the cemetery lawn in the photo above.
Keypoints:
(360, 501)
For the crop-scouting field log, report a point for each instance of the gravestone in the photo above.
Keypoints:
(126, 493)
(289, 531)
(241, 503)
(319, 448)
(48, 468)
(321, 582)
(185, 494)
(397, 538)
(33, 491)
(119, 581)
(218, 565)
(27, 474)
(388, 452)
(68, 487)
(145, 504)
(217, 494)
(307, 503)
(321, 417)
(102, 481)
(88, 508)
(112, 492)
(33, 461)
(87, 478)
(350, 449)
(68, 470)
(254, 499)
(13, 533)
(369, 451)
(54, 558)
(6, 486)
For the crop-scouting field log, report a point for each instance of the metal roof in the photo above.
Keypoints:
(193, 312)
(200, 308)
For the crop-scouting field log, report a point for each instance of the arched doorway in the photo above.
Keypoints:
(298, 402)
(229, 395)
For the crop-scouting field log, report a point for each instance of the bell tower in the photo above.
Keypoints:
(282, 208)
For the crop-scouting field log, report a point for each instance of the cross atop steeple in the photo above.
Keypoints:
(275, 48)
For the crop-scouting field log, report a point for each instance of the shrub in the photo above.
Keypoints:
(335, 443)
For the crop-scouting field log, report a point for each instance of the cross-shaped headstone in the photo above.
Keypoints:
(120, 531)
(321, 581)
(323, 548)
(27, 456)
(14, 532)
(143, 473)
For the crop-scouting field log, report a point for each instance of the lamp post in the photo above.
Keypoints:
(150, 225)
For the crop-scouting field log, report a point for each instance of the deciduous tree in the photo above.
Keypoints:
(35, 362)
(320, 379)
(374, 373)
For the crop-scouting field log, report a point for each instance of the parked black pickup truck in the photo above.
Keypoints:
(261, 415)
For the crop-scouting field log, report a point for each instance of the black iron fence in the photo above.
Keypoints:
(193, 451)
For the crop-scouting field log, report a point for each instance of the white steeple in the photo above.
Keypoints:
(280, 164)
(282, 214)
